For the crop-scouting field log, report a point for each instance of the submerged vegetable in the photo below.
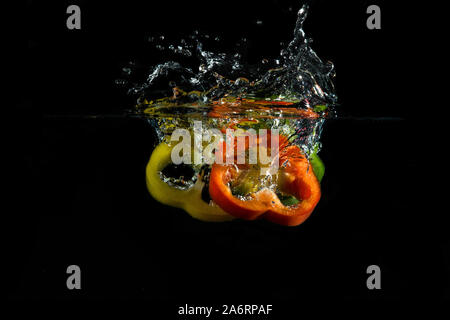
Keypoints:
(190, 199)
(238, 191)
(295, 178)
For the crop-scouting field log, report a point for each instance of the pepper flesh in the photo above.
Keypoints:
(190, 200)
(297, 179)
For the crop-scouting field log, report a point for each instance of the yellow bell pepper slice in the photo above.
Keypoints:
(189, 200)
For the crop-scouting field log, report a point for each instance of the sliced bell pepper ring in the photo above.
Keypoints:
(190, 200)
(295, 178)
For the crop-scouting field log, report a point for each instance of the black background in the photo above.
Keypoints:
(79, 188)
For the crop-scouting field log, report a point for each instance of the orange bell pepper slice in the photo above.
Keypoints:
(295, 177)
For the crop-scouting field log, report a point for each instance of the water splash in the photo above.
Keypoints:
(216, 86)
(204, 76)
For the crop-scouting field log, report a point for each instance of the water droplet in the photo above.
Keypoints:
(121, 82)
(126, 70)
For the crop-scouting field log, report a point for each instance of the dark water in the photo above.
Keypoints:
(92, 183)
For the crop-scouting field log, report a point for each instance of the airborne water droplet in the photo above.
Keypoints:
(121, 82)
(126, 70)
